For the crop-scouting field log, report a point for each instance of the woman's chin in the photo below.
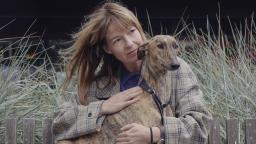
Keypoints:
(133, 59)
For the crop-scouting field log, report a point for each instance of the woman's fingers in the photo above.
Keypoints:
(131, 101)
(132, 93)
(121, 100)
(126, 127)
(125, 136)
(122, 139)
(132, 96)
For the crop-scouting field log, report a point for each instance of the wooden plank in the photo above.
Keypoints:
(11, 131)
(250, 131)
(232, 131)
(28, 131)
(2, 134)
(47, 131)
(214, 136)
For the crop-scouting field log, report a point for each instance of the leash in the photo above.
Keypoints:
(155, 97)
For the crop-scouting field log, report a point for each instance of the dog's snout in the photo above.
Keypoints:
(174, 65)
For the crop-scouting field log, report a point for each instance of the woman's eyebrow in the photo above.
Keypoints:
(114, 37)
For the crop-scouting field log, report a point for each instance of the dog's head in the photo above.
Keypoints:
(160, 52)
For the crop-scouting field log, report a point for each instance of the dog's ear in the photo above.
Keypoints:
(175, 45)
(141, 51)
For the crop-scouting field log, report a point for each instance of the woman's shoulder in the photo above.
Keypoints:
(104, 81)
(103, 88)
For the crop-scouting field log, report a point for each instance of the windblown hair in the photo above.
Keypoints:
(88, 55)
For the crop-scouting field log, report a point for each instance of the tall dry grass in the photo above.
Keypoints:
(28, 83)
(226, 68)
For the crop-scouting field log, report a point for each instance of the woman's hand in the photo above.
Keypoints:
(121, 100)
(134, 134)
(137, 134)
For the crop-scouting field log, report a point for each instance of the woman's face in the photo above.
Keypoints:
(123, 43)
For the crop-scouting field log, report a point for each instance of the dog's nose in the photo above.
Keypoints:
(174, 65)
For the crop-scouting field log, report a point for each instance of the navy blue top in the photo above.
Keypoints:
(128, 79)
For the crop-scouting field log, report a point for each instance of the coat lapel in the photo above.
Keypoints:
(99, 91)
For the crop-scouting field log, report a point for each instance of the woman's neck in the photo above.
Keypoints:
(135, 67)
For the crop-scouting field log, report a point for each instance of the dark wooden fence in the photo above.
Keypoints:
(232, 131)
(29, 127)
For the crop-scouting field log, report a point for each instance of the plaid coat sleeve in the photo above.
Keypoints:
(190, 124)
(73, 120)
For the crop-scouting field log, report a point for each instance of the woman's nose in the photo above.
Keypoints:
(129, 42)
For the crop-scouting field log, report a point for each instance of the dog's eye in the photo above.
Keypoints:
(160, 46)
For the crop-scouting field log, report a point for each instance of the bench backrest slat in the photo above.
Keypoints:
(47, 131)
(232, 131)
(28, 129)
(250, 131)
(214, 136)
(11, 131)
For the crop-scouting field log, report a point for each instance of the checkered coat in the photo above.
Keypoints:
(189, 125)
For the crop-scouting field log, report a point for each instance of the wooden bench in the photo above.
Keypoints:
(232, 131)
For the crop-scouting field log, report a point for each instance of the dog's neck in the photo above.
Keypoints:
(150, 76)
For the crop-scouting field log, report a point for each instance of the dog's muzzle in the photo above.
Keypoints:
(174, 65)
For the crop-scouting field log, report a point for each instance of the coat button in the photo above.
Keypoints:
(89, 114)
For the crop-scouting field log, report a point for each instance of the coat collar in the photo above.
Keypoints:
(99, 90)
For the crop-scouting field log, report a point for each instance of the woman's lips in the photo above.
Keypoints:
(133, 52)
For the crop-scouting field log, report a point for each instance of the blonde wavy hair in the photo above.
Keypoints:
(88, 49)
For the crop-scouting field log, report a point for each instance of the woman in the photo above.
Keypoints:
(105, 60)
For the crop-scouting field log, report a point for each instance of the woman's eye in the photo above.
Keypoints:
(132, 30)
(116, 40)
